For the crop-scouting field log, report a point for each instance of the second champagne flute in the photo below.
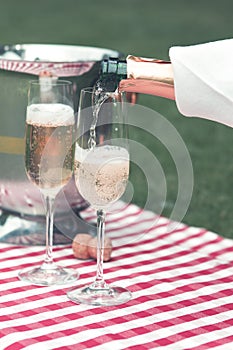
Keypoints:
(101, 173)
(49, 157)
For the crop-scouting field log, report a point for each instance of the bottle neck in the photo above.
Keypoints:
(114, 66)
(112, 71)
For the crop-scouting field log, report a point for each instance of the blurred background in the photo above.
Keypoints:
(147, 28)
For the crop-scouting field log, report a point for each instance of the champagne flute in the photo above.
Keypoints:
(101, 174)
(49, 159)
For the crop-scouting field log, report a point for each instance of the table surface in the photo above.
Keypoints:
(181, 279)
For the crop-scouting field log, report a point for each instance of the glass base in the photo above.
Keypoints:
(108, 296)
(48, 276)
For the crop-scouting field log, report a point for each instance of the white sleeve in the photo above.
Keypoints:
(203, 79)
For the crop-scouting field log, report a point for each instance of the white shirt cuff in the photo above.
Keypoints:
(203, 78)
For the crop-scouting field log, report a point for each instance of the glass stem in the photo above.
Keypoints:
(99, 280)
(48, 261)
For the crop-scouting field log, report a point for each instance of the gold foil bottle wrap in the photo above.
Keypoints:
(149, 76)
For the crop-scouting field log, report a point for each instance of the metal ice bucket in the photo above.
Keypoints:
(22, 210)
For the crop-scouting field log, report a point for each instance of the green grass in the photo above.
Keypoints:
(147, 28)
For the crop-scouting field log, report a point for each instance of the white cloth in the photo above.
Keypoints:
(203, 78)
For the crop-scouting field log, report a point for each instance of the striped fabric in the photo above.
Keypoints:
(59, 69)
(181, 279)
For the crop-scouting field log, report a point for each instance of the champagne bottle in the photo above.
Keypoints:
(137, 75)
